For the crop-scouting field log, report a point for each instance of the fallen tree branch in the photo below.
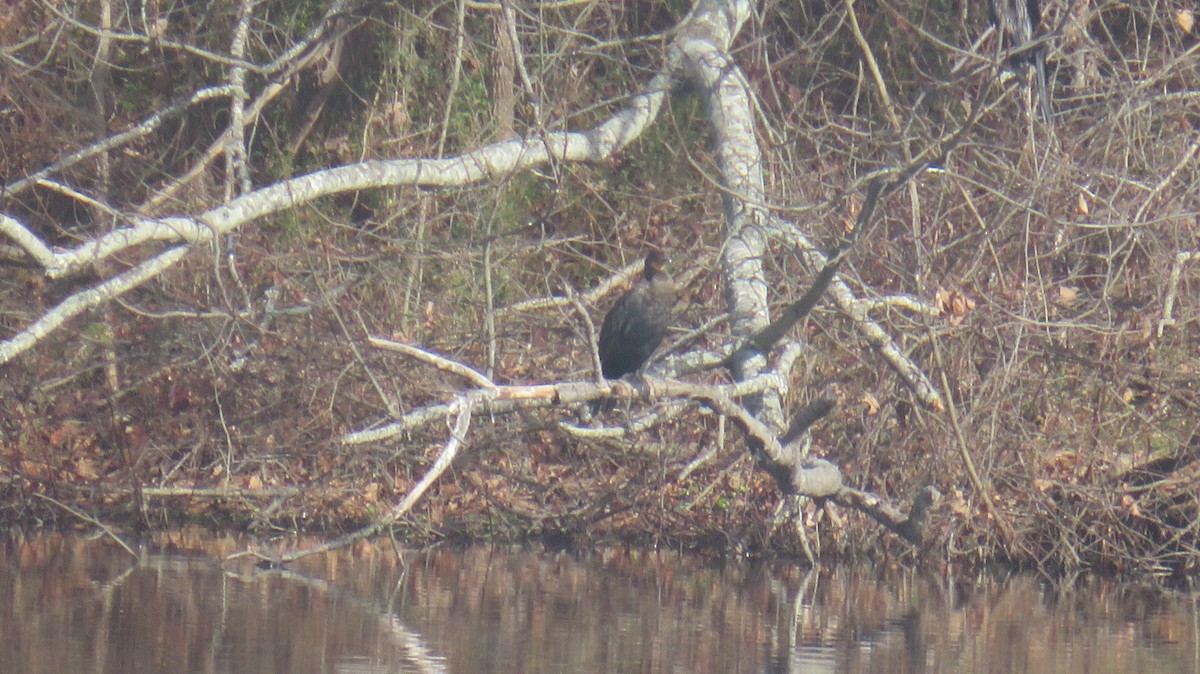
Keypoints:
(92, 521)
(795, 475)
(464, 406)
(87, 299)
(910, 527)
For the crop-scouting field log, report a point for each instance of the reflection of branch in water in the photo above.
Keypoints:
(408, 642)
(90, 520)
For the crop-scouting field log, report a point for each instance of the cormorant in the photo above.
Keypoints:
(635, 325)
(1018, 21)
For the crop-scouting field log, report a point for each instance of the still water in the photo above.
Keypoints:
(73, 604)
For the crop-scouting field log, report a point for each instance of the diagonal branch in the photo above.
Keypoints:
(464, 406)
(87, 299)
(465, 371)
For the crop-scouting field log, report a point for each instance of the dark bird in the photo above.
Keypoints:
(1018, 22)
(635, 325)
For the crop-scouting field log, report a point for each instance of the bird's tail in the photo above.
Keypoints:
(601, 406)
(1043, 87)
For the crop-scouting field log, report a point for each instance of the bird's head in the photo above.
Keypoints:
(656, 263)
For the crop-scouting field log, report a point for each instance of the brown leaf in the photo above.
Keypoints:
(371, 493)
(960, 305)
(1067, 295)
(430, 315)
(871, 404)
(86, 469)
(941, 299)
(958, 505)
(68, 431)
(1185, 19)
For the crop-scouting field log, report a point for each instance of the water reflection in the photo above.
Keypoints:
(70, 604)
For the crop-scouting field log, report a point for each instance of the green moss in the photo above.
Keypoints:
(518, 201)
(469, 111)
(658, 155)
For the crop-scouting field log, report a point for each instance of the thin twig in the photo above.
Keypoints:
(1002, 525)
